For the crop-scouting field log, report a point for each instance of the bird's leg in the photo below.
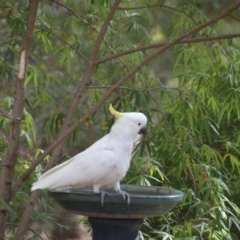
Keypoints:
(124, 194)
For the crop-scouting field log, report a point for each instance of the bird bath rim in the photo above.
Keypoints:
(146, 201)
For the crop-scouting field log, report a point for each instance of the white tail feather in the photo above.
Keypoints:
(53, 177)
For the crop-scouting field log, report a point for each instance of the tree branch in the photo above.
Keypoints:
(18, 105)
(157, 45)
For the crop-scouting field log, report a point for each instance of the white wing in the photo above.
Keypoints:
(84, 169)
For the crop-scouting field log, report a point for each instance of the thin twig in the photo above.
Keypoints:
(79, 18)
(138, 89)
(158, 45)
(61, 39)
(161, 6)
(5, 114)
(237, 19)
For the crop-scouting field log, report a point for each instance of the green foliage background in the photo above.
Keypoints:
(190, 94)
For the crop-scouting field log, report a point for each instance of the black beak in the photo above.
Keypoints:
(143, 131)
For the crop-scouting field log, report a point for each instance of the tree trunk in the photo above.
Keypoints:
(9, 162)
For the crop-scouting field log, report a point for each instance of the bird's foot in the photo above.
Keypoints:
(125, 195)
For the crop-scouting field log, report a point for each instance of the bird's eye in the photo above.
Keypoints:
(139, 124)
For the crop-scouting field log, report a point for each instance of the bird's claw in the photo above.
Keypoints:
(125, 196)
(103, 193)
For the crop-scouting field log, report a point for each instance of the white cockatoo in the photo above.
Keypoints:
(104, 163)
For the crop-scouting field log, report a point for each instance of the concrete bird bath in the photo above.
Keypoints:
(116, 220)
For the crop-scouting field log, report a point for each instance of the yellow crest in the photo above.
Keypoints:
(114, 112)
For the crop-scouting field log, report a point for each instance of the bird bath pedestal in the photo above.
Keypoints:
(116, 220)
